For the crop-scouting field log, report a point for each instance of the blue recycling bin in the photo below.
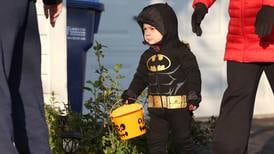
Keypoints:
(83, 17)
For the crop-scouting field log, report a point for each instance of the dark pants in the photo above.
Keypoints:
(233, 126)
(164, 120)
(22, 120)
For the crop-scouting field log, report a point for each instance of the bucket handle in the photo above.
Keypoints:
(114, 105)
(117, 103)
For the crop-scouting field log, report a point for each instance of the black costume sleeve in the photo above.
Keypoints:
(140, 79)
(193, 75)
(51, 2)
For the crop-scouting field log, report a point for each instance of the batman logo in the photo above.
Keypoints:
(158, 63)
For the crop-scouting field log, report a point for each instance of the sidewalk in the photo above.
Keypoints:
(262, 136)
(261, 140)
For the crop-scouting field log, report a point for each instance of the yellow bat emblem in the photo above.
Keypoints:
(158, 63)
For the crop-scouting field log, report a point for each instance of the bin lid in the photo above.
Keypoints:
(125, 109)
(86, 4)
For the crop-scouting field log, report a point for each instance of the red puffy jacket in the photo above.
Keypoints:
(243, 44)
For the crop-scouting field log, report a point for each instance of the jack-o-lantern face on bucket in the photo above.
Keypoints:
(142, 125)
(121, 130)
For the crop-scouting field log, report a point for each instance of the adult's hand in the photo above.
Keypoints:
(264, 21)
(197, 17)
(53, 11)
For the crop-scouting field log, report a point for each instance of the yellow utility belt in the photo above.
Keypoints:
(169, 102)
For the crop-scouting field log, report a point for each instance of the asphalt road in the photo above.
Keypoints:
(262, 137)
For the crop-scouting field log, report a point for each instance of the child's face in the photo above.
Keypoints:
(151, 34)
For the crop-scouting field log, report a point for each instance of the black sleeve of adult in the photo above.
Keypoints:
(140, 79)
(51, 2)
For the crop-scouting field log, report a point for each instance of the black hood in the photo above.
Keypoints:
(164, 19)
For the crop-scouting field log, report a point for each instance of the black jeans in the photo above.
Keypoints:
(234, 122)
(161, 122)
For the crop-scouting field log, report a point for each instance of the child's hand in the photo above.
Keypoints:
(128, 101)
(191, 107)
(193, 100)
(128, 97)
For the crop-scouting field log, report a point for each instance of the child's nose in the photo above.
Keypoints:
(147, 33)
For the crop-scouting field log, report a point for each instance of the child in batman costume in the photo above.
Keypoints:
(170, 71)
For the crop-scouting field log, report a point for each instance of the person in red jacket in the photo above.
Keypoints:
(249, 52)
(23, 127)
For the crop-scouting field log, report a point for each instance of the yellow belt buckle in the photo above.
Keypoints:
(171, 102)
